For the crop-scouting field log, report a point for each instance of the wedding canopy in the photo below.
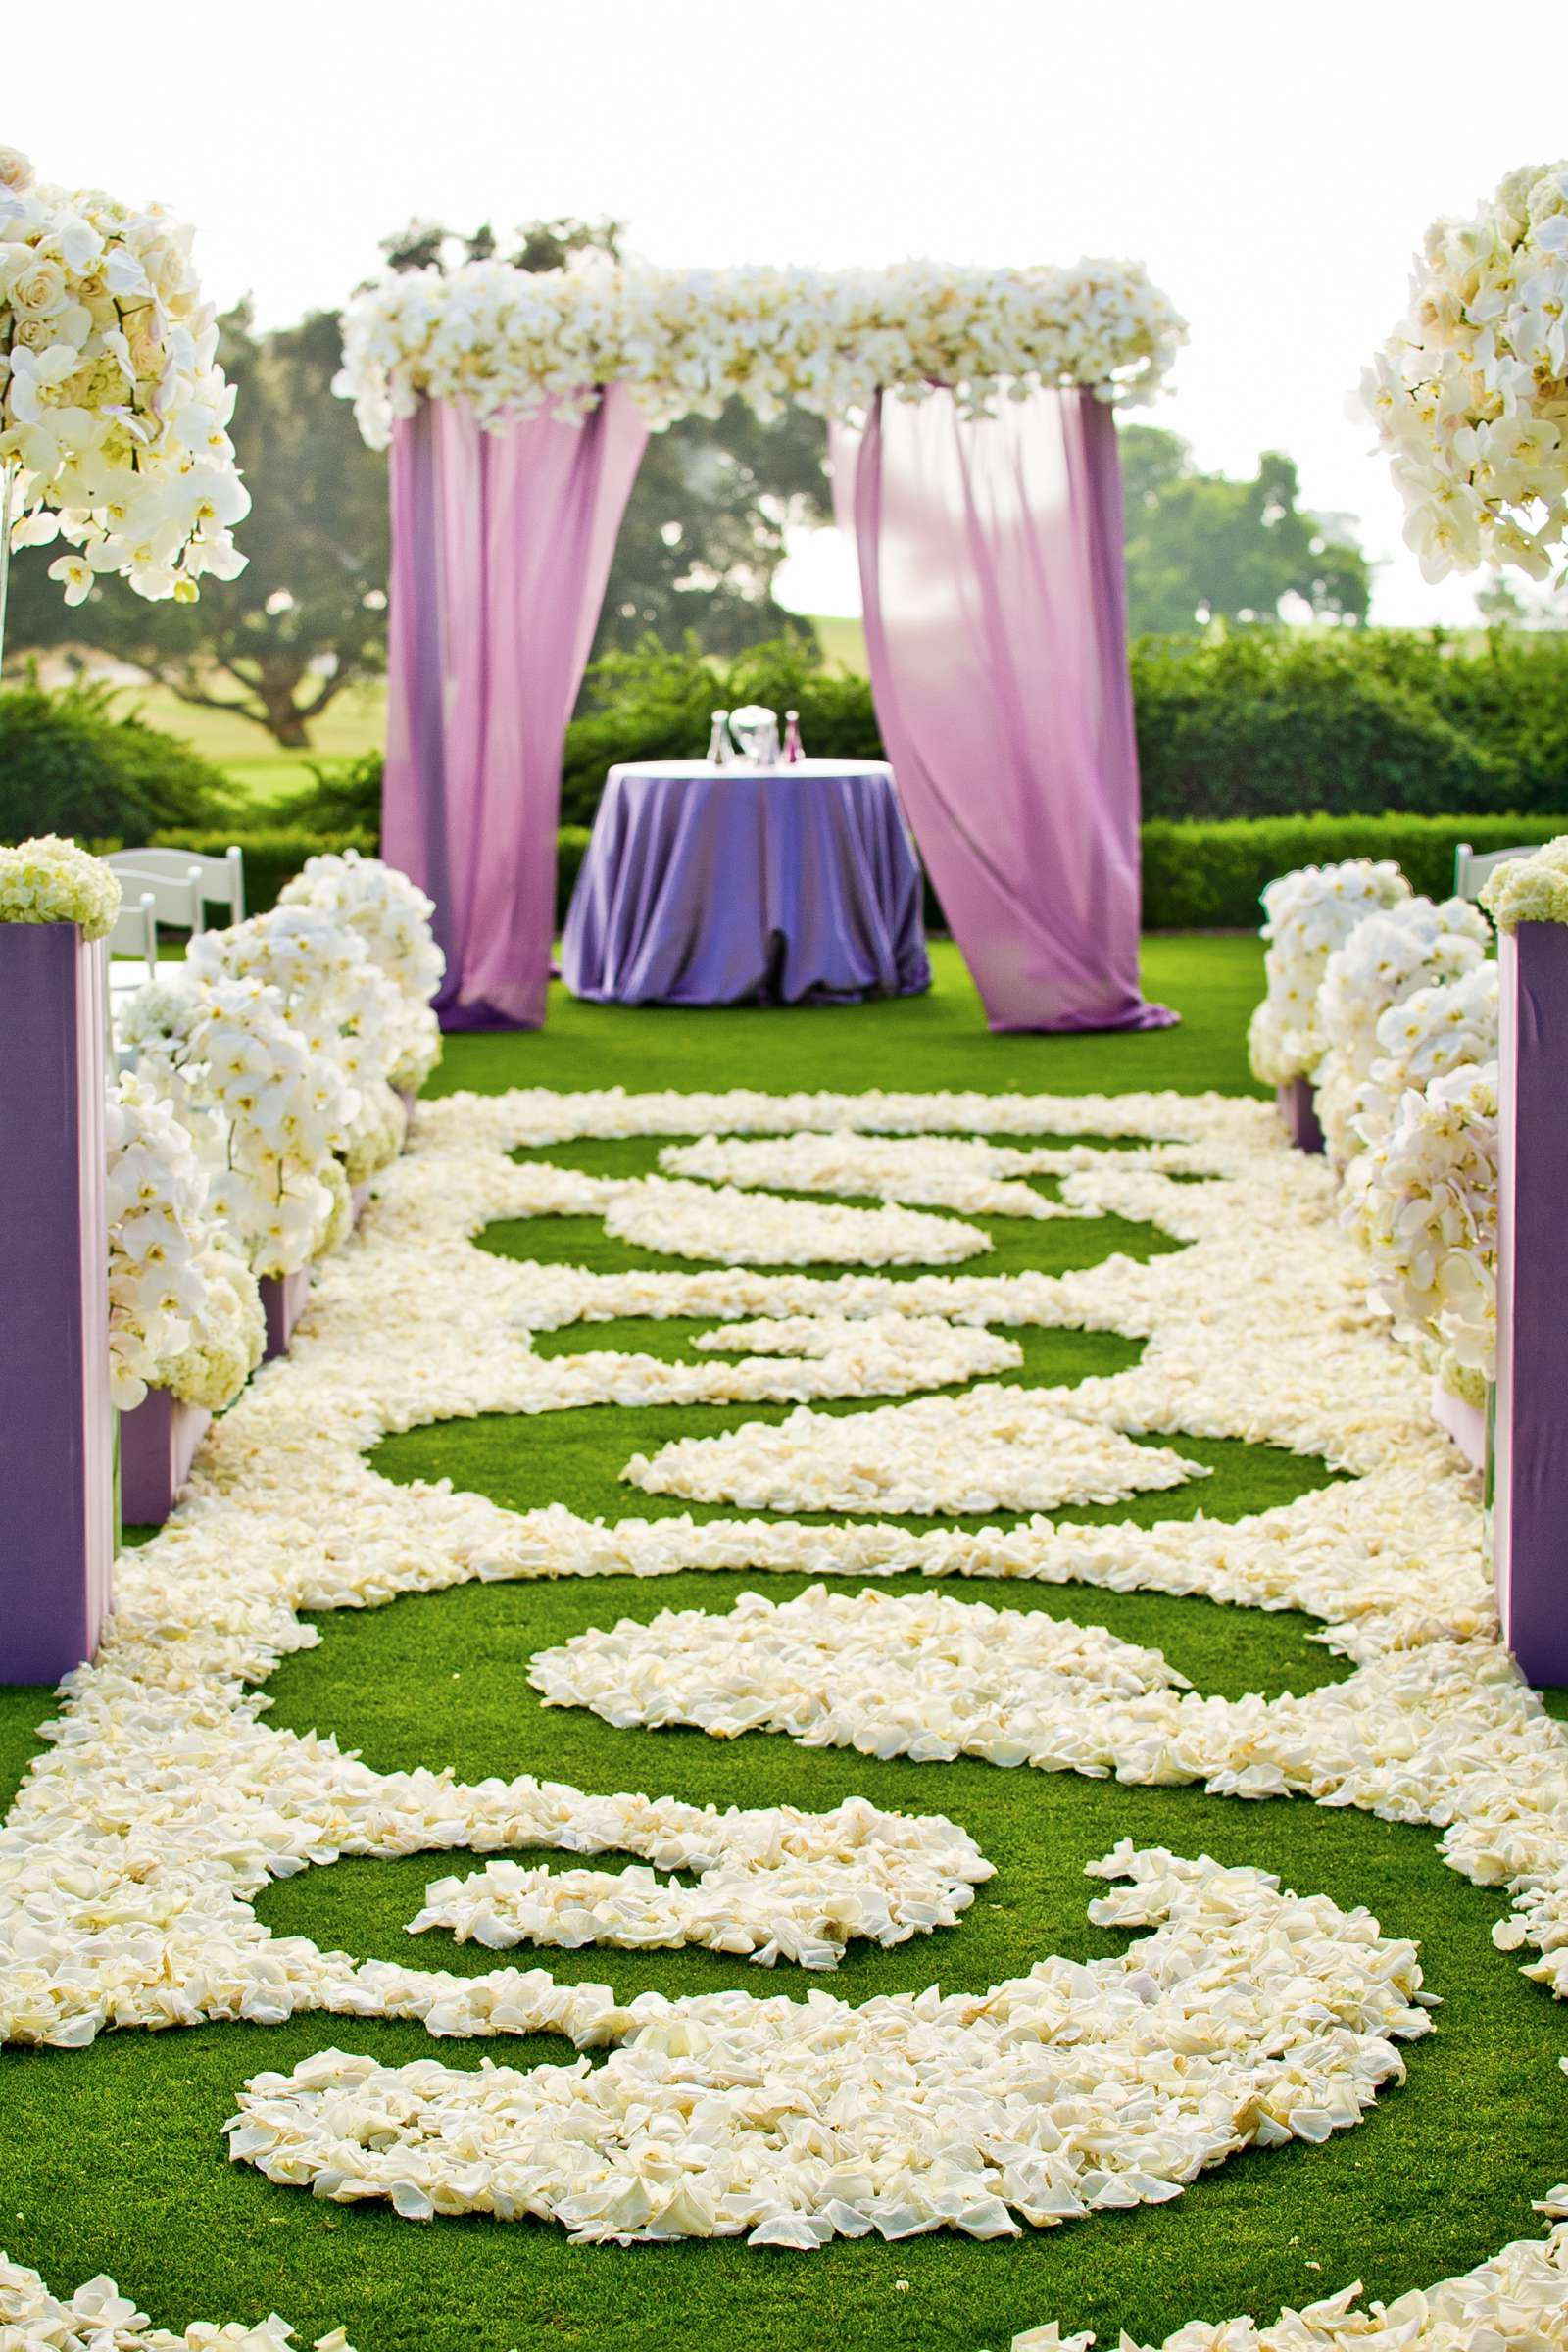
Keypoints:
(976, 461)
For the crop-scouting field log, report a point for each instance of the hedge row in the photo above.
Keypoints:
(1196, 877)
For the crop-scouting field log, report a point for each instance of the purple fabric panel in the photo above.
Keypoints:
(501, 545)
(56, 1420)
(991, 568)
(705, 889)
(1530, 1497)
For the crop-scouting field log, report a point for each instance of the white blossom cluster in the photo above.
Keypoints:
(113, 410)
(184, 1311)
(271, 1113)
(511, 341)
(392, 916)
(1470, 392)
(1307, 915)
(49, 880)
(339, 1002)
(990, 1450)
(1530, 890)
(1423, 1037)
(1382, 961)
(130, 1859)
(1427, 1216)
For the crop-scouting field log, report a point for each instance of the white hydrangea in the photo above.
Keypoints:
(686, 341)
(1470, 392)
(392, 916)
(1308, 914)
(184, 1313)
(1530, 890)
(49, 880)
(345, 1010)
(1384, 960)
(112, 407)
(1427, 1212)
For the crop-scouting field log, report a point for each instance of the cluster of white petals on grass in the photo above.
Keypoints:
(1248, 2016)
(772, 1884)
(738, 1227)
(962, 1172)
(98, 2318)
(132, 1857)
(511, 341)
(991, 1450)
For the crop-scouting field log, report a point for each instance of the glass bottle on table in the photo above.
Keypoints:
(719, 750)
(793, 754)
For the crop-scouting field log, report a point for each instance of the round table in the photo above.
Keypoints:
(739, 886)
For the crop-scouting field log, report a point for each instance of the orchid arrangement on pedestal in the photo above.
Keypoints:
(1385, 959)
(184, 1311)
(1307, 915)
(392, 916)
(113, 412)
(1470, 392)
(49, 880)
(1427, 1213)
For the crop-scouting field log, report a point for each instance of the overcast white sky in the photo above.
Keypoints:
(1274, 165)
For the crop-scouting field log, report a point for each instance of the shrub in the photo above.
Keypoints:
(1208, 877)
(1269, 723)
(274, 854)
(69, 765)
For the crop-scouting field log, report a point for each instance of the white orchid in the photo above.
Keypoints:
(113, 412)
(1427, 1212)
(1470, 392)
(1307, 915)
(1384, 960)
(392, 916)
(509, 341)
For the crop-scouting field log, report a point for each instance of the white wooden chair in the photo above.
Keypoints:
(210, 880)
(133, 945)
(1473, 869)
(176, 898)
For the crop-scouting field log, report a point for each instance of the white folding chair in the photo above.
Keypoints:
(217, 881)
(1473, 869)
(176, 898)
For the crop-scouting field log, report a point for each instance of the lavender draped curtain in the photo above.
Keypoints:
(991, 568)
(501, 548)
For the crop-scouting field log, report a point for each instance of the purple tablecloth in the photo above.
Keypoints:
(710, 887)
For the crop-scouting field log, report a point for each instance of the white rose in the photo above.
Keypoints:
(16, 172)
(39, 289)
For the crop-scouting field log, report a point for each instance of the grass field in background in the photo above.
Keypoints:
(113, 2158)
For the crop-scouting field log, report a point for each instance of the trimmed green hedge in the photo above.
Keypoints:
(1196, 877)
(1208, 877)
(68, 764)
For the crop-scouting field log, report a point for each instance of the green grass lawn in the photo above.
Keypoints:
(111, 2158)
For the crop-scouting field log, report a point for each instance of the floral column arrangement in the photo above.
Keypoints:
(1529, 898)
(57, 906)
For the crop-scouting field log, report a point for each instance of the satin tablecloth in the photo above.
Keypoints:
(706, 886)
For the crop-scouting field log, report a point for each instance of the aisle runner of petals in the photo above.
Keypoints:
(129, 1861)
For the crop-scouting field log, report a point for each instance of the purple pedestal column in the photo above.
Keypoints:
(1529, 1506)
(284, 1298)
(157, 1442)
(1297, 1107)
(56, 1420)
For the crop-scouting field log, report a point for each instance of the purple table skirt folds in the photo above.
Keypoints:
(729, 887)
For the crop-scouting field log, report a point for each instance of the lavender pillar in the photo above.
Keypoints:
(1297, 1107)
(1529, 1508)
(158, 1443)
(56, 1421)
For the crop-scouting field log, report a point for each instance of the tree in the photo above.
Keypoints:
(306, 618)
(1202, 547)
